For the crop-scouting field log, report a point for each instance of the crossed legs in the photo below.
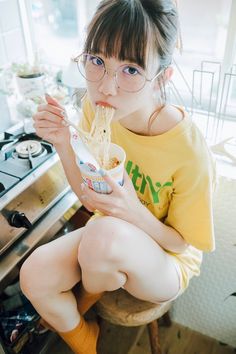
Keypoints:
(108, 253)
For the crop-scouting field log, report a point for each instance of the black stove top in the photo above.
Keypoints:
(20, 155)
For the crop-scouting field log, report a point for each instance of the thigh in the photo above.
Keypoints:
(150, 270)
(53, 266)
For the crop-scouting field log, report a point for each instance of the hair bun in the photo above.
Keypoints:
(166, 6)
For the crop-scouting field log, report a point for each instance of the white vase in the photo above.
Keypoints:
(31, 87)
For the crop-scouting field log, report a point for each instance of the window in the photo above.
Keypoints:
(204, 27)
(199, 83)
(58, 28)
(208, 31)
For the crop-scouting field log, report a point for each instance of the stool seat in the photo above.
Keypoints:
(121, 308)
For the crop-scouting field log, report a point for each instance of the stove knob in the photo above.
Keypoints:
(18, 219)
(2, 188)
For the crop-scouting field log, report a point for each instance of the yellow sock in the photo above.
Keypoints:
(45, 324)
(85, 300)
(83, 338)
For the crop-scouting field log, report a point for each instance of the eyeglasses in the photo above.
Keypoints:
(128, 77)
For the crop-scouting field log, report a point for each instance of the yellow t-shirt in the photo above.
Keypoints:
(172, 174)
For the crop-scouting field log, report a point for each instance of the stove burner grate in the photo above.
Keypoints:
(28, 148)
(20, 154)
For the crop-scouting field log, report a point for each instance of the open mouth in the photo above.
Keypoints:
(104, 104)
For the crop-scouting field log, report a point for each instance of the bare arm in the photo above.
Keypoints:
(49, 124)
(167, 237)
(123, 203)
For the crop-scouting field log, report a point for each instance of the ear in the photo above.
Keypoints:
(165, 77)
(168, 73)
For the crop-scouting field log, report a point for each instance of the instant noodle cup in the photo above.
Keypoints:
(90, 173)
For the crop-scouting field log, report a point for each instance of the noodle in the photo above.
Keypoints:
(98, 139)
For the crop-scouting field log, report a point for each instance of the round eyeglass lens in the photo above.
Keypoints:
(130, 78)
(91, 67)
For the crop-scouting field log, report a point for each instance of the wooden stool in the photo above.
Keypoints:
(121, 308)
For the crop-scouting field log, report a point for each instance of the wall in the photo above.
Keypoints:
(12, 48)
(205, 306)
(91, 7)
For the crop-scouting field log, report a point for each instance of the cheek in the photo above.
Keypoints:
(91, 91)
(137, 99)
(127, 104)
(92, 94)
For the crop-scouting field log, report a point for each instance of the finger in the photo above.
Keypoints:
(48, 125)
(50, 117)
(53, 109)
(51, 100)
(84, 201)
(111, 181)
(91, 195)
(87, 192)
(46, 133)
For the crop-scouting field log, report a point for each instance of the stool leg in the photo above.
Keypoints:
(166, 319)
(153, 332)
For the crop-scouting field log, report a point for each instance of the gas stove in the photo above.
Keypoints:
(34, 196)
(20, 154)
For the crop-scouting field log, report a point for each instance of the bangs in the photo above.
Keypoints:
(120, 32)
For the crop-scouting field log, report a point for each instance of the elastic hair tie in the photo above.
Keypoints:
(179, 41)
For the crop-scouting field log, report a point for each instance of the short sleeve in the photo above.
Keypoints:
(190, 211)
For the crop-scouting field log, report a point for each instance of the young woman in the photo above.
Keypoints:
(154, 228)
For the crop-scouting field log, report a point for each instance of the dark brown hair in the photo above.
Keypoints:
(125, 29)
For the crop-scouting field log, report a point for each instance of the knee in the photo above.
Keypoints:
(102, 242)
(33, 271)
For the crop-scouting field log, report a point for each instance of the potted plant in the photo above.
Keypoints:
(29, 79)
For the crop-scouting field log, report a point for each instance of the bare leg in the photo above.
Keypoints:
(114, 253)
(48, 276)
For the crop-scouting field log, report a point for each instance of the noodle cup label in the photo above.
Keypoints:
(93, 179)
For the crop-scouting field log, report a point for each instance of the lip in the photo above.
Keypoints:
(104, 104)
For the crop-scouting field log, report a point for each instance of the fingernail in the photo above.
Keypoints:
(63, 122)
(102, 172)
(47, 94)
(82, 186)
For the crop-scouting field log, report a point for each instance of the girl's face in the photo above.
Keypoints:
(141, 103)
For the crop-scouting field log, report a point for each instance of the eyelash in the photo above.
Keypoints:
(96, 58)
(92, 58)
(131, 67)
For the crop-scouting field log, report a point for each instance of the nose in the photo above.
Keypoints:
(108, 85)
